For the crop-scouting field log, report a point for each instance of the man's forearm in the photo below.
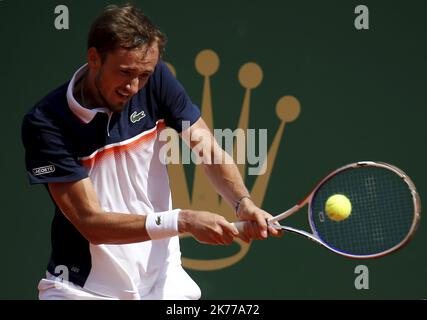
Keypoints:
(218, 164)
(226, 179)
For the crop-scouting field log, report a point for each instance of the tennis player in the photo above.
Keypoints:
(93, 142)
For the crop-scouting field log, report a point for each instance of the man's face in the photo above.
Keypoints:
(122, 74)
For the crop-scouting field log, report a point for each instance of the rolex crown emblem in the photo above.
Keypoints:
(202, 194)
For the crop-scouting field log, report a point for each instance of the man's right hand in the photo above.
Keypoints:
(207, 227)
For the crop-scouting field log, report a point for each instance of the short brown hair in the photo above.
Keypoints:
(123, 27)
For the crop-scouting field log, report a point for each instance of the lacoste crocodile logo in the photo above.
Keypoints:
(135, 117)
(158, 221)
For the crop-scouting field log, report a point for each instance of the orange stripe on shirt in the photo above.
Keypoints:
(121, 148)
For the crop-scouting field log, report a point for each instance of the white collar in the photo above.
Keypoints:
(84, 114)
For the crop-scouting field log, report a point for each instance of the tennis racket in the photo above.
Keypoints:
(384, 216)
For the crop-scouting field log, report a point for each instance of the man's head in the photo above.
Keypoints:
(123, 49)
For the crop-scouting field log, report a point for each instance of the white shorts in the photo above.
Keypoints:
(175, 284)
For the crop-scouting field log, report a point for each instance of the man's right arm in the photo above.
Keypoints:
(79, 203)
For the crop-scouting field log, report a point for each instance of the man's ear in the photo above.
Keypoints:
(93, 58)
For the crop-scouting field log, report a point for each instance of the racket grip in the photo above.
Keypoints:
(240, 225)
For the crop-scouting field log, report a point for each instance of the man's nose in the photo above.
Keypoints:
(132, 87)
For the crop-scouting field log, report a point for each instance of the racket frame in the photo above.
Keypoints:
(308, 200)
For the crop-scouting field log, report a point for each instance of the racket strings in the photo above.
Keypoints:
(382, 211)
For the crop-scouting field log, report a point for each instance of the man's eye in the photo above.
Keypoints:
(125, 73)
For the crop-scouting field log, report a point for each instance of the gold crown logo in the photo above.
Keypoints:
(204, 197)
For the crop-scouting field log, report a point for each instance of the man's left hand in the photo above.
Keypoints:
(256, 226)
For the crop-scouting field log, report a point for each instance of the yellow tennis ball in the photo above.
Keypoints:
(338, 207)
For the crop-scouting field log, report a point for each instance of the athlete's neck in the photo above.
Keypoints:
(85, 92)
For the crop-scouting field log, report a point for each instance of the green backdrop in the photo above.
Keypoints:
(362, 95)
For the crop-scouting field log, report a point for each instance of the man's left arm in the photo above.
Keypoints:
(226, 179)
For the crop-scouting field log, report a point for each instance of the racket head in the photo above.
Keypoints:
(385, 210)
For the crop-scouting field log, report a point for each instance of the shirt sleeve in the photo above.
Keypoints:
(48, 154)
(177, 106)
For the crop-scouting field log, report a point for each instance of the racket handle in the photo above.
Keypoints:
(240, 225)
